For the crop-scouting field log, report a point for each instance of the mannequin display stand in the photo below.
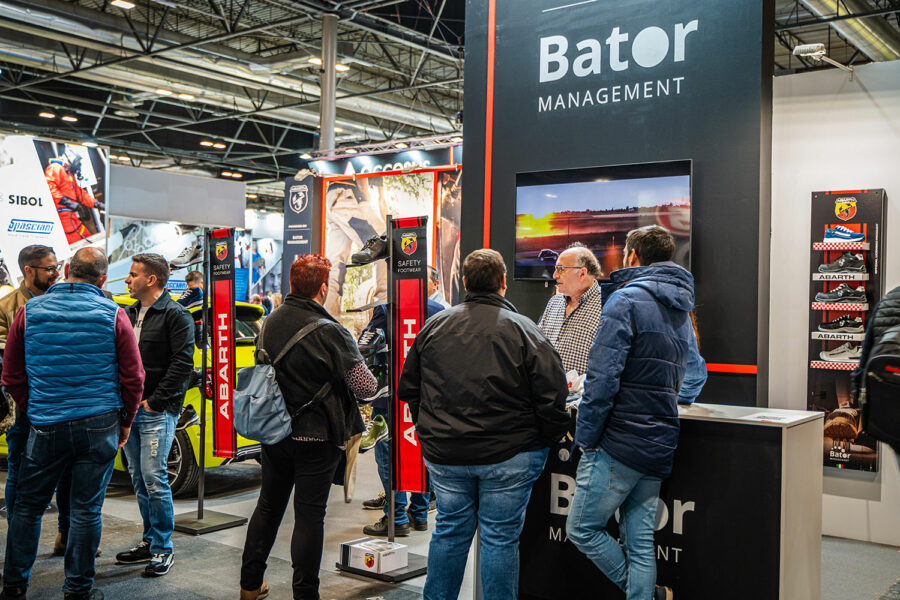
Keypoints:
(205, 521)
(417, 563)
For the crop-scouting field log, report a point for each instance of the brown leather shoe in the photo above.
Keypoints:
(259, 594)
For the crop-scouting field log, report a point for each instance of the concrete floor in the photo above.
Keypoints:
(208, 567)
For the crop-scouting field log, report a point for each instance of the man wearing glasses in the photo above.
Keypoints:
(40, 270)
(572, 316)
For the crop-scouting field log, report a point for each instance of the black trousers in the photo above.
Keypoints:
(307, 468)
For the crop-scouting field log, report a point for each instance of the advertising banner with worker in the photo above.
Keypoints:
(53, 194)
(221, 328)
(409, 260)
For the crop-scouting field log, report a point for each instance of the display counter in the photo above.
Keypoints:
(740, 517)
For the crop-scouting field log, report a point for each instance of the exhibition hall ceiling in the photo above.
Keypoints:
(232, 86)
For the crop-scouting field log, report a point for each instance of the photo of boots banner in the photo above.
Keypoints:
(847, 249)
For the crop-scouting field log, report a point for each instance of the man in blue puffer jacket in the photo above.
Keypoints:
(643, 359)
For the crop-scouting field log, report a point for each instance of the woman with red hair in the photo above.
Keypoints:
(319, 377)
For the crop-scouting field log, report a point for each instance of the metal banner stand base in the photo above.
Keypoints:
(211, 520)
(416, 567)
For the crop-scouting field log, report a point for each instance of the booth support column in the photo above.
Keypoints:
(328, 82)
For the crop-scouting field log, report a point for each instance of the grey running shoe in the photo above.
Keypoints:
(843, 353)
(160, 565)
(192, 255)
(843, 293)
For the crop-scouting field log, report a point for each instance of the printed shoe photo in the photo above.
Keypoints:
(847, 263)
(843, 325)
(375, 249)
(843, 293)
(841, 234)
(192, 255)
(843, 353)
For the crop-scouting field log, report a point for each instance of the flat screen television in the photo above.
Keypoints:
(598, 207)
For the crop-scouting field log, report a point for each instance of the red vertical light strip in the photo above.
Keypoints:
(489, 122)
(434, 218)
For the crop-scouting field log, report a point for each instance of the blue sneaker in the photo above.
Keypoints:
(842, 234)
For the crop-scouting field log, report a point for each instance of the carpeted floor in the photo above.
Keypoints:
(893, 593)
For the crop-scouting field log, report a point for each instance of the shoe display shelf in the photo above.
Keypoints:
(833, 365)
(840, 246)
(840, 276)
(841, 306)
(837, 337)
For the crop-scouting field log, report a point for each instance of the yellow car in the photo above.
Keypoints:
(184, 458)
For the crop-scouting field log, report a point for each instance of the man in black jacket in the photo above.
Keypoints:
(165, 333)
(487, 392)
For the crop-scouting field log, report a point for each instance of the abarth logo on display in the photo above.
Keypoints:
(408, 243)
(30, 227)
(370, 560)
(299, 198)
(221, 250)
(845, 208)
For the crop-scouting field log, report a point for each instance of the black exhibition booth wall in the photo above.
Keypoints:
(717, 113)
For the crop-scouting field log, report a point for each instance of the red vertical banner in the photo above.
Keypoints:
(409, 264)
(221, 328)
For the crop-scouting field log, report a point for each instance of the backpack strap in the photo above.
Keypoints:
(298, 336)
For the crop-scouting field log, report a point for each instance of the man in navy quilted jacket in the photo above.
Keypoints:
(643, 360)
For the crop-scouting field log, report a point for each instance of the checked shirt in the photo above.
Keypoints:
(572, 336)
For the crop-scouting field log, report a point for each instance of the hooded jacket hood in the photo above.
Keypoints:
(672, 285)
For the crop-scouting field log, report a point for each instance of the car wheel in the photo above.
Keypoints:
(184, 473)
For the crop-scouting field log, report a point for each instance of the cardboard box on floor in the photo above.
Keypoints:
(374, 555)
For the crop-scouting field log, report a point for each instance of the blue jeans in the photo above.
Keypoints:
(603, 485)
(147, 452)
(88, 447)
(492, 497)
(418, 503)
(16, 439)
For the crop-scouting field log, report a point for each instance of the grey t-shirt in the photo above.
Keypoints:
(139, 322)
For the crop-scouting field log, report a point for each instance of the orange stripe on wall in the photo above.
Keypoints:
(489, 122)
(725, 368)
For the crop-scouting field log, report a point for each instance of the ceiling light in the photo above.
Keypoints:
(237, 175)
(252, 196)
(351, 151)
(401, 145)
(125, 113)
(816, 52)
(164, 92)
(315, 60)
(456, 138)
(306, 156)
(186, 96)
(47, 115)
(113, 157)
(124, 158)
(91, 144)
(206, 143)
(338, 130)
(227, 173)
(341, 68)
(219, 145)
(69, 119)
(123, 4)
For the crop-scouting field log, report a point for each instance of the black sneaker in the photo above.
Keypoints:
(376, 503)
(91, 595)
(847, 263)
(138, 554)
(375, 249)
(416, 524)
(160, 565)
(843, 293)
(380, 528)
(843, 325)
(192, 255)
(432, 503)
(13, 593)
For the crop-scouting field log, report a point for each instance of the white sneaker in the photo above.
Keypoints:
(843, 353)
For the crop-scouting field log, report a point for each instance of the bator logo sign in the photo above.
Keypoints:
(619, 52)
